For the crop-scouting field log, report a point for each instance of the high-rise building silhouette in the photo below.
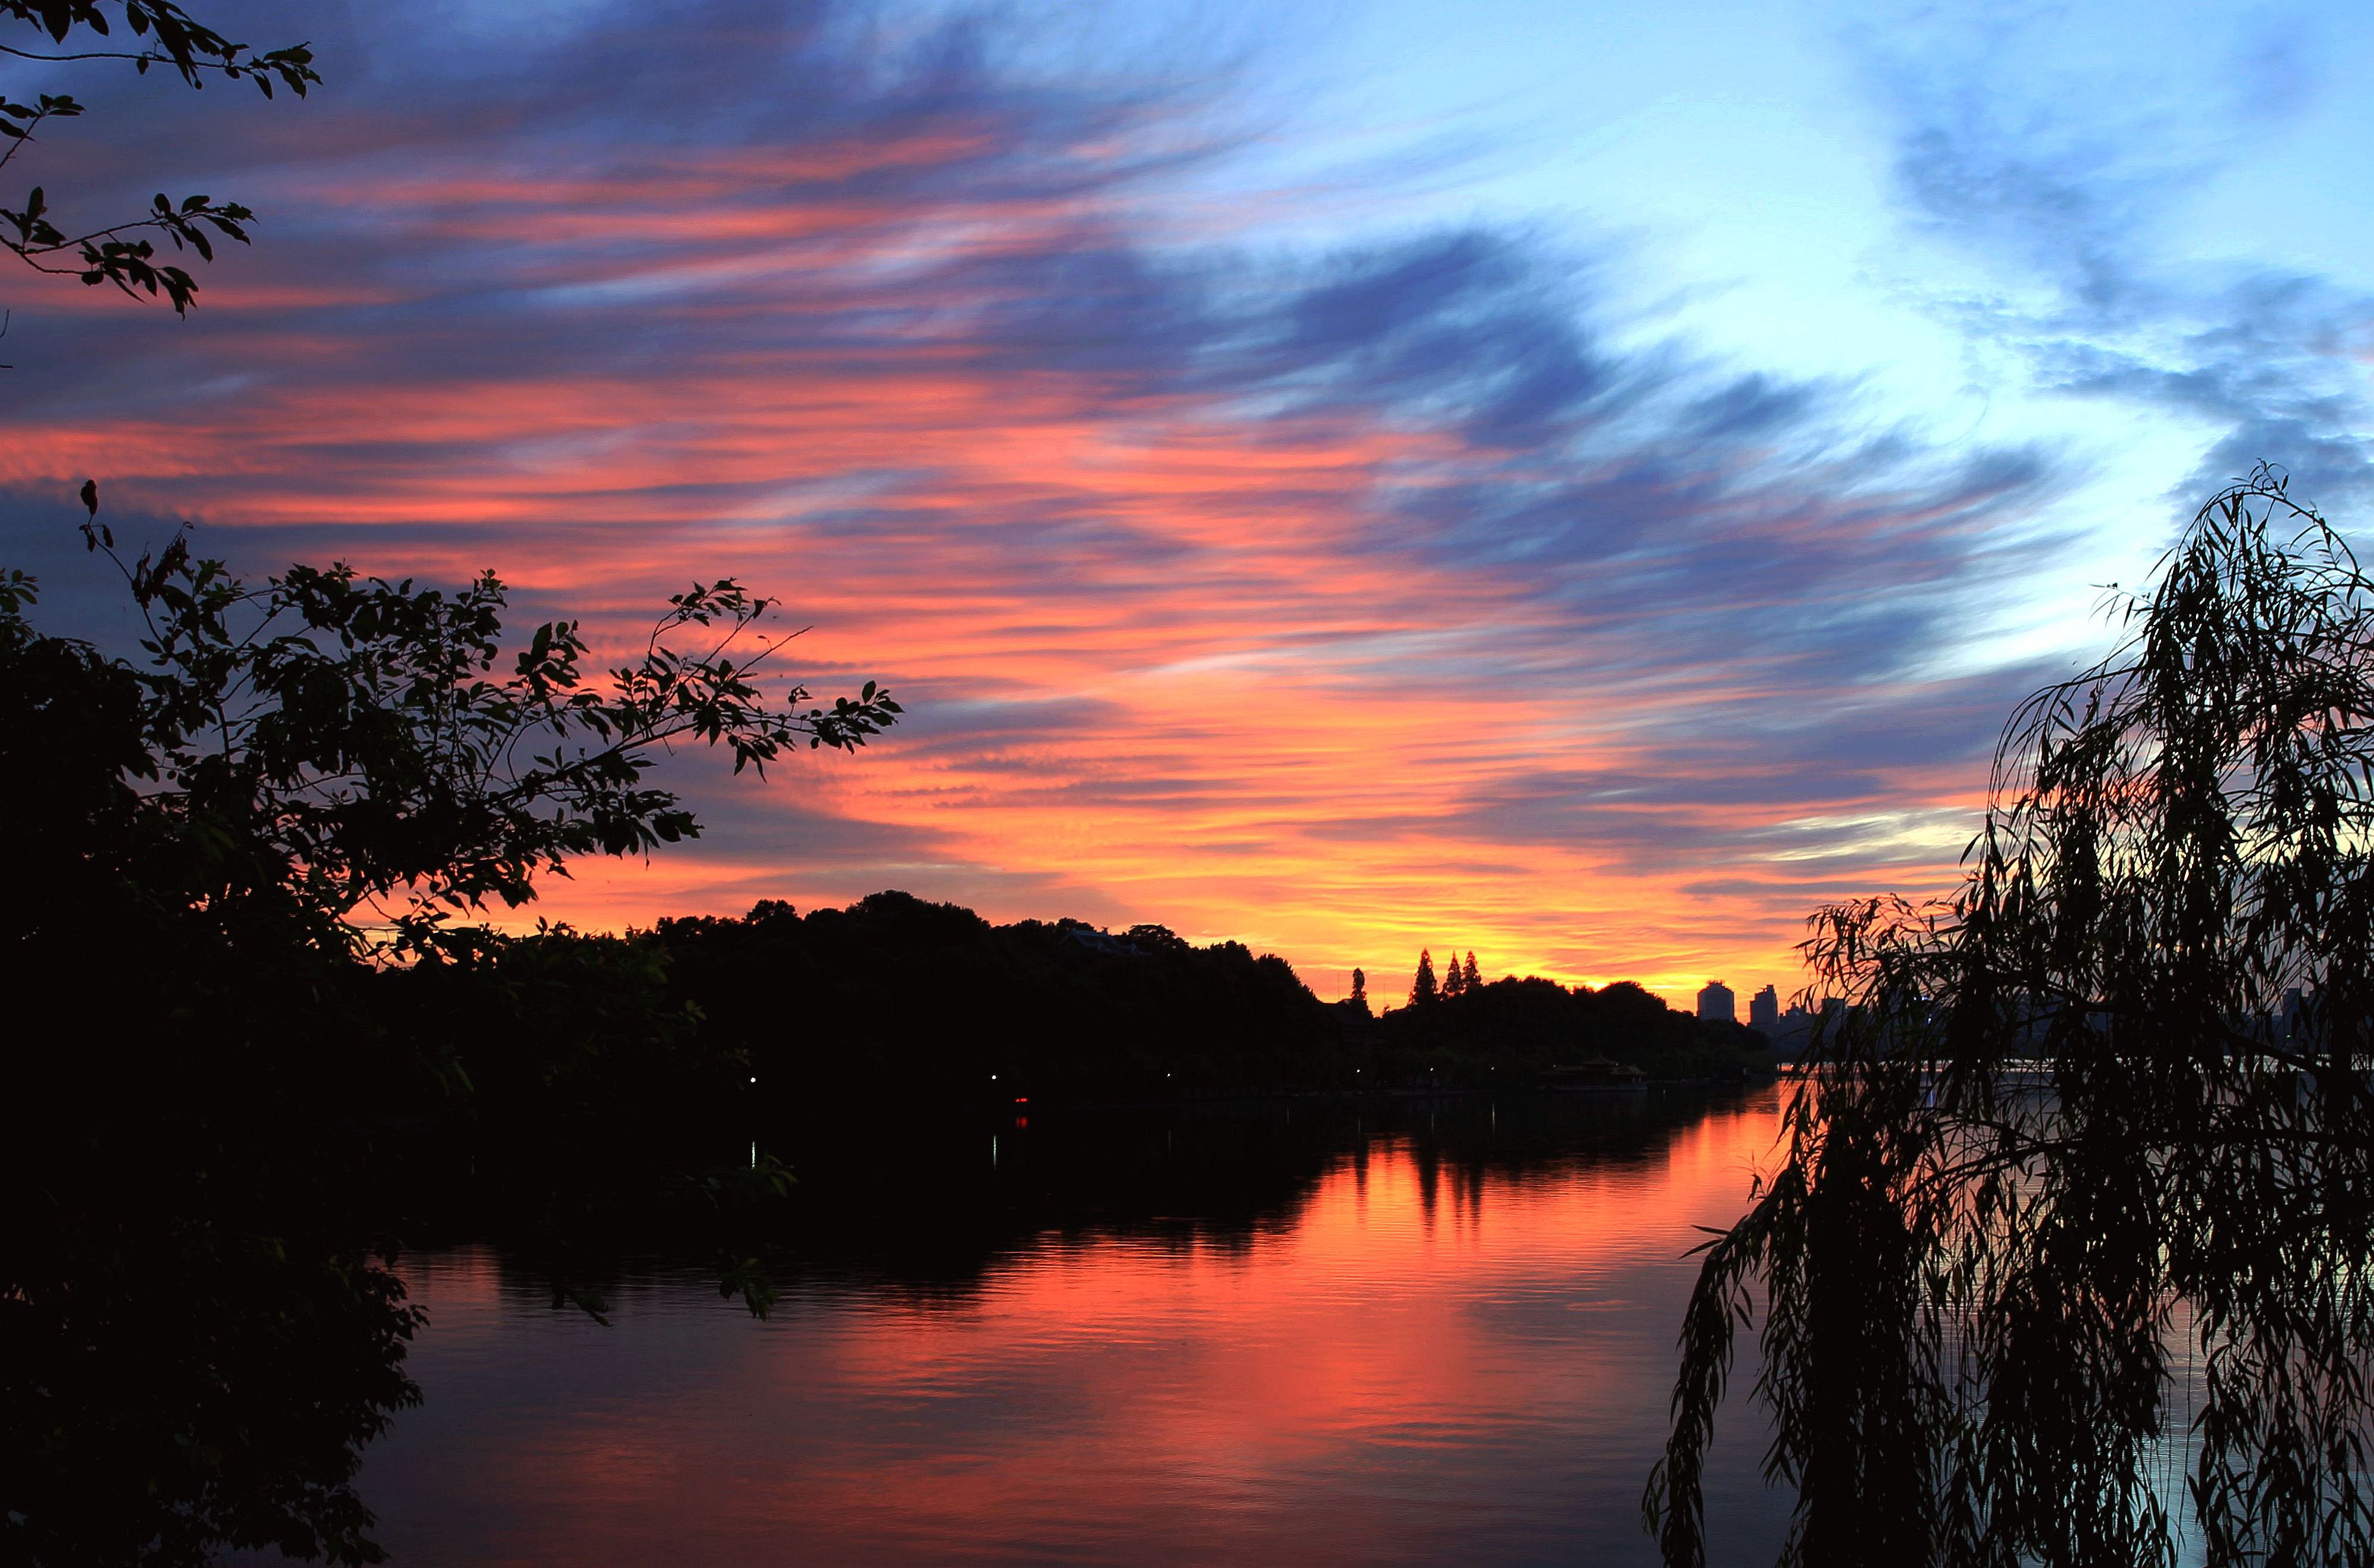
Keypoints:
(1716, 1002)
(1764, 1009)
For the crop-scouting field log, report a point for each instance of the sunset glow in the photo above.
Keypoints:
(1282, 532)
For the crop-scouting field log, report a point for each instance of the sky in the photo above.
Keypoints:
(1583, 484)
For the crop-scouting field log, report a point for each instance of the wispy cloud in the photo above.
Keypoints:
(1336, 600)
(2061, 169)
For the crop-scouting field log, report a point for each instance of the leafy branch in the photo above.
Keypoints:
(119, 254)
(349, 738)
(176, 39)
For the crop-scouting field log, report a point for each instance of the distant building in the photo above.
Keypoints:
(1764, 1009)
(1717, 1002)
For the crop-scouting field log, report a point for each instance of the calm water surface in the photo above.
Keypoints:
(1376, 1335)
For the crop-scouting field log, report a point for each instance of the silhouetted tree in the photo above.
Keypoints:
(1155, 939)
(1423, 990)
(1471, 979)
(238, 978)
(1360, 988)
(161, 34)
(241, 841)
(338, 736)
(1057, 1018)
(2001, 1317)
(1453, 981)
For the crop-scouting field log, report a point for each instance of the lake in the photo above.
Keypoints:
(1402, 1333)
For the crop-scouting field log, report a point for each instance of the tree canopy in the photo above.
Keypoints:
(2066, 1259)
(348, 742)
(250, 1031)
(240, 998)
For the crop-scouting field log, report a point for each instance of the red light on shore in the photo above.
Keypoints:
(1021, 1099)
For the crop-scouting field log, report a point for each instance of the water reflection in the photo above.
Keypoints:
(1342, 1337)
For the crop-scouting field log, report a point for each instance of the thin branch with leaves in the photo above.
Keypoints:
(348, 738)
(125, 253)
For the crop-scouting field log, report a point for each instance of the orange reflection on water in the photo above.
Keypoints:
(1416, 1362)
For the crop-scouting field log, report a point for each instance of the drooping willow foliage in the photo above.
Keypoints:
(2068, 1257)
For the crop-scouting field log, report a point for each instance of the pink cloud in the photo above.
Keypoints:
(1258, 601)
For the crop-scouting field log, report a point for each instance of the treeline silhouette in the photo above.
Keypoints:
(1520, 1027)
(931, 1002)
(659, 1090)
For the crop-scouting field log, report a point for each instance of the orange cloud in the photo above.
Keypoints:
(1342, 610)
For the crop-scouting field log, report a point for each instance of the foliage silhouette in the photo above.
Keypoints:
(1508, 1033)
(245, 1007)
(160, 34)
(2090, 1145)
(1046, 1010)
(1058, 1013)
(342, 738)
(1423, 989)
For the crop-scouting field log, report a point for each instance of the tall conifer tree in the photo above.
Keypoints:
(1422, 989)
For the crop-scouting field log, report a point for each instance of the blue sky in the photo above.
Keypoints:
(1583, 483)
(2133, 237)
